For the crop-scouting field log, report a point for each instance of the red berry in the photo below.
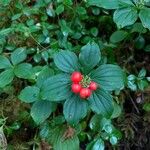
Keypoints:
(76, 88)
(85, 93)
(93, 86)
(76, 77)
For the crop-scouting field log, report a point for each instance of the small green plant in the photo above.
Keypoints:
(94, 84)
(15, 68)
(127, 12)
(58, 88)
(139, 82)
(105, 132)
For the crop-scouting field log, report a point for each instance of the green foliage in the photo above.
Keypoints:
(110, 77)
(105, 4)
(30, 94)
(23, 70)
(4, 62)
(42, 42)
(58, 87)
(145, 17)
(146, 107)
(118, 36)
(59, 141)
(125, 16)
(41, 110)
(6, 77)
(18, 56)
(66, 61)
(101, 103)
(107, 132)
(75, 109)
(88, 52)
(126, 12)
(138, 82)
(97, 144)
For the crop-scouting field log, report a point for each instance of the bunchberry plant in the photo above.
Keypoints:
(84, 84)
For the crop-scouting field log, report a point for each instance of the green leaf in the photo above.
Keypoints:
(41, 110)
(148, 79)
(6, 77)
(109, 77)
(101, 103)
(30, 94)
(125, 16)
(5, 2)
(106, 125)
(94, 31)
(113, 140)
(18, 55)
(138, 27)
(99, 145)
(16, 16)
(45, 55)
(90, 56)
(4, 62)
(50, 12)
(147, 48)
(146, 107)
(145, 17)
(5, 32)
(66, 61)
(107, 4)
(56, 88)
(139, 42)
(118, 36)
(15, 126)
(95, 122)
(132, 77)
(24, 71)
(125, 3)
(68, 2)
(44, 130)
(37, 57)
(75, 109)
(81, 10)
(142, 84)
(65, 29)
(132, 85)
(142, 73)
(59, 9)
(45, 73)
(59, 120)
(117, 110)
(96, 11)
(90, 145)
(117, 133)
(59, 142)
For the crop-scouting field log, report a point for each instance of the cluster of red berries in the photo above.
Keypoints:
(78, 88)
